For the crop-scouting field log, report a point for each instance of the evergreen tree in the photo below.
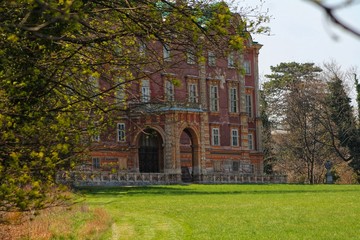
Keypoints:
(343, 116)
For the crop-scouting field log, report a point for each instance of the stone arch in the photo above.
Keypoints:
(161, 131)
(189, 153)
(150, 150)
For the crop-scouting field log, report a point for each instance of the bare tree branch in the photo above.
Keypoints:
(330, 12)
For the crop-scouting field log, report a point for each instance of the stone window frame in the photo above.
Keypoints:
(121, 132)
(214, 100)
(215, 136)
(251, 141)
(249, 104)
(211, 59)
(237, 137)
(166, 52)
(247, 67)
(233, 103)
(145, 91)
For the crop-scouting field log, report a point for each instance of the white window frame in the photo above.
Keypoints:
(142, 49)
(193, 98)
(250, 141)
(166, 53)
(211, 58)
(190, 57)
(231, 60)
(96, 163)
(214, 98)
(247, 67)
(145, 90)
(121, 132)
(233, 98)
(249, 104)
(215, 136)
(169, 91)
(234, 137)
(120, 92)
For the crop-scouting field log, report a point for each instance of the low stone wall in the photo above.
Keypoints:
(98, 178)
(242, 178)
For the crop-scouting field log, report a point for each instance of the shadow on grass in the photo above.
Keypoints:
(173, 190)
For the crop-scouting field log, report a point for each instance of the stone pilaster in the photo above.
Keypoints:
(171, 148)
(204, 119)
(259, 139)
(243, 118)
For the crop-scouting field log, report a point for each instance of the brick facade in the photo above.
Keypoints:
(202, 124)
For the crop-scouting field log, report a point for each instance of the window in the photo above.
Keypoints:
(96, 138)
(121, 132)
(192, 93)
(96, 162)
(169, 90)
(94, 82)
(215, 137)
(145, 91)
(249, 105)
(190, 57)
(166, 52)
(234, 137)
(250, 141)
(142, 49)
(214, 98)
(231, 60)
(233, 100)
(247, 66)
(211, 59)
(120, 92)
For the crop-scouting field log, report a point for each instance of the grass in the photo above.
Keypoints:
(218, 212)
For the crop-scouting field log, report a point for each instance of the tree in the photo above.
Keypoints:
(294, 93)
(313, 120)
(53, 52)
(342, 114)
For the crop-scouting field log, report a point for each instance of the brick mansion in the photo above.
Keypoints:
(189, 120)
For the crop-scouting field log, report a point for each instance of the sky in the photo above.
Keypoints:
(301, 32)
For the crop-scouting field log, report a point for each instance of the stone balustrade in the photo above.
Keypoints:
(103, 178)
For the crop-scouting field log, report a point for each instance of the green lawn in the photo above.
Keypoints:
(230, 211)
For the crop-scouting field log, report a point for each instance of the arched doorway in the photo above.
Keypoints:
(150, 152)
(188, 155)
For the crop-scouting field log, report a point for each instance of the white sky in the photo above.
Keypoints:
(301, 32)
